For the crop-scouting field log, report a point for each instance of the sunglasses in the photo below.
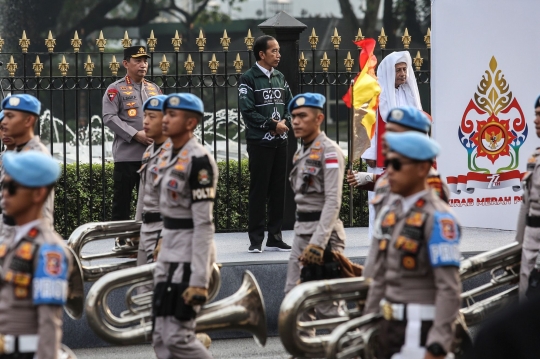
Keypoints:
(397, 163)
(11, 187)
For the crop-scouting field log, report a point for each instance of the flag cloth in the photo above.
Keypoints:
(364, 98)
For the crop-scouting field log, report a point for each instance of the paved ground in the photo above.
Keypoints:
(221, 349)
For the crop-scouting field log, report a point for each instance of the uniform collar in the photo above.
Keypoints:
(264, 71)
(22, 231)
(315, 145)
(408, 202)
(183, 153)
(167, 145)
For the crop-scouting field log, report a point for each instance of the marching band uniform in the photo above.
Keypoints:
(148, 199)
(35, 264)
(416, 280)
(188, 181)
(317, 181)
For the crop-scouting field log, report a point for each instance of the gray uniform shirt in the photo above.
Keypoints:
(317, 183)
(123, 114)
(403, 271)
(148, 200)
(530, 206)
(188, 183)
(19, 315)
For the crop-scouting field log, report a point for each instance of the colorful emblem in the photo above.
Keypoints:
(448, 229)
(492, 130)
(25, 251)
(53, 266)
(389, 220)
(415, 219)
(3, 250)
(111, 94)
(203, 177)
(408, 262)
(127, 92)
(14, 101)
(132, 112)
(131, 104)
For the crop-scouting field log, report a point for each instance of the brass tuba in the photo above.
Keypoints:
(243, 310)
(355, 335)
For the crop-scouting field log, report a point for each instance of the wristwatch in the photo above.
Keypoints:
(436, 349)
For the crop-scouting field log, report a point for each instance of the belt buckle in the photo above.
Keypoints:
(387, 311)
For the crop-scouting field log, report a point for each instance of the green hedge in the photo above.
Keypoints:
(85, 199)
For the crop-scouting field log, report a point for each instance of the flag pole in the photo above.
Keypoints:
(351, 152)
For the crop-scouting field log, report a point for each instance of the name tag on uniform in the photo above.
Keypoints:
(444, 241)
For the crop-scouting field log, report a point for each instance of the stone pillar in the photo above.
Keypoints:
(286, 30)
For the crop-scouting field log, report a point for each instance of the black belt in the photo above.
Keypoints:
(151, 217)
(308, 216)
(533, 221)
(10, 221)
(177, 223)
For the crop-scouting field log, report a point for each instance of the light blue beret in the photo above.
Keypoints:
(22, 102)
(1, 115)
(31, 168)
(413, 145)
(184, 101)
(308, 99)
(154, 103)
(409, 117)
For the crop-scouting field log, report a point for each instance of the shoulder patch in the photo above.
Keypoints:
(444, 241)
(111, 94)
(201, 179)
(50, 284)
(331, 160)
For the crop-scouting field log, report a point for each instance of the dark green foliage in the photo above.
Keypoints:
(87, 200)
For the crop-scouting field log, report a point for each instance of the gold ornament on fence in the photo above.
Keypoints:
(89, 66)
(249, 40)
(1, 44)
(238, 63)
(189, 65)
(348, 62)
(213, 64)
(336, 39)
(225, 41)
(302, 62)
(151, 42)
(24, 42)
(313, 39)
(76, 42)
(37, 67)
(406, 39)
(427, 38)
(126, 41)
(383, 39)
(50, 42)
(418, 61)
(63, 66)
(176, 42)
(359, 36)
(101, 42)
(11, 66)
(201, 41)
(114, 66)
(325, 62)
(164, 65)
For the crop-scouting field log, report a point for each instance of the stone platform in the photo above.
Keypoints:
(270, 269)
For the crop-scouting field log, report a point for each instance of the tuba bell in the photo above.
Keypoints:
(244, 310)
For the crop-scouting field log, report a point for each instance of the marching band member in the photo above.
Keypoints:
(34, 263)
(188, 180)
(416, 280)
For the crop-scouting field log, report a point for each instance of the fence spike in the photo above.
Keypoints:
(164, 65)
(313, 39)
(63, 66)
(325, 62)
(126, 41)
(238, 63)
(11, 66)
(418, 61)
(359, 36)
(76, 42)
(225, 41)
(176, 42)
(37, 67)
(406, 39)
(427, 38)
(336, 39)
(201, 40)
(89, 66)
(189, 65)
(348, 62)
(114, 66)
(1, 44)
(50, 42)
(383, 39)
(249, 40)
(24, 42)
(302, 62)
(101, 42)
(213, 64)
(151, 42)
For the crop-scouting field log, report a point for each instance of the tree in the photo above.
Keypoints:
(64, 17)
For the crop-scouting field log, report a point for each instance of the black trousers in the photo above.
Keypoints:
(125, 178)
(17, 356)
(267, 168)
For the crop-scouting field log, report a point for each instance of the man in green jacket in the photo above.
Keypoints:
(264, 96)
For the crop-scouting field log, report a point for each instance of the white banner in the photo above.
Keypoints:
(484, 64)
